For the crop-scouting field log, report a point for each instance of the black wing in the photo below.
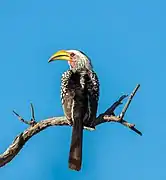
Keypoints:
(93, 97)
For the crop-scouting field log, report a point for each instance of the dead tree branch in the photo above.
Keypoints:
(119, 118)
(36, 127)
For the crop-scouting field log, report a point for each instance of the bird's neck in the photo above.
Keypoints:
(80, 70)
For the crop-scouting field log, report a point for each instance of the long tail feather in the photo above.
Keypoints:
(75, 155)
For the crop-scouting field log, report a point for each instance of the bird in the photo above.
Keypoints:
(79, 97)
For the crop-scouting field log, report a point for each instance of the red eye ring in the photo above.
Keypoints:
(72, 54)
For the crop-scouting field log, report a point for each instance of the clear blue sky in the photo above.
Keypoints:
(126, 41)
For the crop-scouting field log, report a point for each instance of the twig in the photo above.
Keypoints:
(20, 118)
(32, 112)
(109, 113)
(119, 118)
(129, 101)
(32, 122)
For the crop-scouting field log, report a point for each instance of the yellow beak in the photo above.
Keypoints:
(60, 55)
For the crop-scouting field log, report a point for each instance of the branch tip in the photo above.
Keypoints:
(32, 111)
(129, 101)
(18, 116)
(32, 121)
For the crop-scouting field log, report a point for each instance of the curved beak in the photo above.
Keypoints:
(60, 55)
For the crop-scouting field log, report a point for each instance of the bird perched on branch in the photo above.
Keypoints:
(79, 95)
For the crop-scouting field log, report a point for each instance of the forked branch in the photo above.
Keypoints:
(36, 127)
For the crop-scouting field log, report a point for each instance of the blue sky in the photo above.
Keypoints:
(126, 42)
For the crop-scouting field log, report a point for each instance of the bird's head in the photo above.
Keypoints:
(76, 59)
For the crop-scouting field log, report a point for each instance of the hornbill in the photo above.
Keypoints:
(79, 96)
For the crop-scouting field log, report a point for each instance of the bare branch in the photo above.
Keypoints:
(119, 118)
(36, 127)
(32, 122)
(109, 112)
(33, 115)
(129, 101)
(20, 118)
(21, 139)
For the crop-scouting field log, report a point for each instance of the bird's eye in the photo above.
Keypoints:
(72, 54)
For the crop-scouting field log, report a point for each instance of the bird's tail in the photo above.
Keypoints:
(78, 113)
(75, 155)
